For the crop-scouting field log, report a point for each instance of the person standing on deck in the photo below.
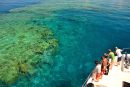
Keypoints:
(104, 64)
(112, 56)
(119, 55)
(97, 71)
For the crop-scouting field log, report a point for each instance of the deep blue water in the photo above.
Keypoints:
(84, 35)
(7, 5)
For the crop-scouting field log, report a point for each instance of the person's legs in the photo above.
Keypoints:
(118, 60)
(98, 76)
(111, 65)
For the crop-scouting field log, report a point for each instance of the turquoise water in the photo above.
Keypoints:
(85, 30)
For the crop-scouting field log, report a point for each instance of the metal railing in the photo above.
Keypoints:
(126, 49)
(125, 52)
(89, 76)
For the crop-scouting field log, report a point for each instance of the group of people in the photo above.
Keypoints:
(106, 64)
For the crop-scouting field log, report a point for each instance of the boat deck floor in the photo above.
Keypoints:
(115, 78)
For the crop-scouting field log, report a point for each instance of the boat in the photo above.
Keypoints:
(119, 76)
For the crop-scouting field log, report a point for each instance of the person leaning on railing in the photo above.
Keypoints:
(97, 71)
(104, 64)
(119, 55)
(112, 56)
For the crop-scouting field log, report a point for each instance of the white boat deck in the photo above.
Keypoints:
(115, 78)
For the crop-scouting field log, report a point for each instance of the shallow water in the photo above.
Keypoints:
(85, 30)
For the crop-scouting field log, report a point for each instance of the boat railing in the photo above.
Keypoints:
(126, 55)
(126, 49)
(89, 76)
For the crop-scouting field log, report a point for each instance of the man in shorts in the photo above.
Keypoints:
(119, 55)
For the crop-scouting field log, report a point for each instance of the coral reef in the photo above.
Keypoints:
(22, 46)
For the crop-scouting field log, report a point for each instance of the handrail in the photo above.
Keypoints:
(126, 49)
(85, 83)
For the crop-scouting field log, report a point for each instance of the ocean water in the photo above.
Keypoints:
(85, 30)
(6, 5)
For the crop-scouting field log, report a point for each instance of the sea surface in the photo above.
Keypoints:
(85, 30)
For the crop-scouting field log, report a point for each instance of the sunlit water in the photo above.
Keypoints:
(85, 30)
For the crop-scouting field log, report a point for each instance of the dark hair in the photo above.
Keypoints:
(102, 57)
(105, 55)
(96, 62)
(109, 50)
(90, 85)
